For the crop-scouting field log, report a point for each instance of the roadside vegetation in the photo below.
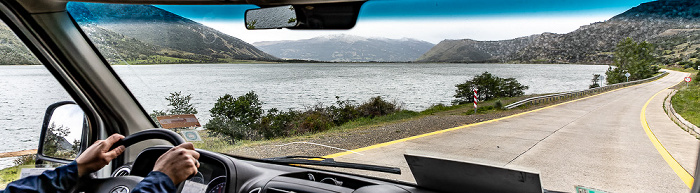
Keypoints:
(636, 58)
(10, 174)
(242, 119)
(686, 102)
(488, 87)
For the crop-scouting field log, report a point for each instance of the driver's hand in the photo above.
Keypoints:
(98, 155)
(178, 163)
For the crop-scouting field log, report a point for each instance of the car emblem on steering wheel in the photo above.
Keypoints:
(119, 189)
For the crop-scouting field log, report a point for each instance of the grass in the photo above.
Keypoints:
(10, 174)
(221, 144)
(686, 102)
(681, 69)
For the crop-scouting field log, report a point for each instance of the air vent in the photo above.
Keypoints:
(122, 171)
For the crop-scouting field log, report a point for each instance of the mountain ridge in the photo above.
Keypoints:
(347, 48)
(143, 22)
(590, 44)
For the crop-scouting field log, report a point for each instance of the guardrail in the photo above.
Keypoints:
(578, 94)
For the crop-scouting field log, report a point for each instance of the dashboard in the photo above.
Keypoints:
(220, 173)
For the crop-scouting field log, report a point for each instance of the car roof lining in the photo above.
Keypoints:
(219, 2)
(48, 6)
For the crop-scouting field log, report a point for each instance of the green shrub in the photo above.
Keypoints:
(594, 81)
(344, 112)
(277, 123)
(498, 104)
(236, 118)
(314, 121)
(376, 106)
(242, 117)
(24, 160)
(489, 87)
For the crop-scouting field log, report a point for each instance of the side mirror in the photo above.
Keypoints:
(271, 18)
(61, 133)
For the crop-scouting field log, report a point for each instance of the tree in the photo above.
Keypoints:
(489, 87)
(235, 117)
(56, 145)
(634, 58)
(594, 81)
(180, 106)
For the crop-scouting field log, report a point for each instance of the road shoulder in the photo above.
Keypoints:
(682, 146)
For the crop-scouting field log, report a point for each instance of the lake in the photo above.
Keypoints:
(28, 90)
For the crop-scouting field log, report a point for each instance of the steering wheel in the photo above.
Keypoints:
(117, 184)
(163, 134)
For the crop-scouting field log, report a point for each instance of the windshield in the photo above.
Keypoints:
(551, 87)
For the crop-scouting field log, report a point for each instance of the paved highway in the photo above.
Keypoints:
(598, 142)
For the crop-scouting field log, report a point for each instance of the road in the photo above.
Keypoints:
(597, 142)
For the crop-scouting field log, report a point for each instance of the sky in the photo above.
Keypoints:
(430, 20)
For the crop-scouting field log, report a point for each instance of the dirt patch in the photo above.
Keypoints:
(18, 153)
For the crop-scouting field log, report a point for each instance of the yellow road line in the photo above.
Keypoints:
(680, 171)
(462, 127)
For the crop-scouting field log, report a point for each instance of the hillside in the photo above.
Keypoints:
(347, 48)
(12, 50)
(475, 51)
(168, 35)
(656, 22)
(142, 34)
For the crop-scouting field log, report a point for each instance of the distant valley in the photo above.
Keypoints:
(347, 48)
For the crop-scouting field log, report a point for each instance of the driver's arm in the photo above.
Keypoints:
(63, 178)
(171, 168)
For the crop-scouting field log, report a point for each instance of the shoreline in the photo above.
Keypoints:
(327, 62)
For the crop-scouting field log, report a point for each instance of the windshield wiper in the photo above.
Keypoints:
(321, 161)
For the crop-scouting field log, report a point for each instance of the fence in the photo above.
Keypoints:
(578, 94)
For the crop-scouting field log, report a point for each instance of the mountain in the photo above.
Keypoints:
(12, 50)
(167, 34)
(142, 34)
(347, 48)
(667, 23)
(475, 51)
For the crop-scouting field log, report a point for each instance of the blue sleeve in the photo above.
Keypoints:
(155, 182)
(61, 179)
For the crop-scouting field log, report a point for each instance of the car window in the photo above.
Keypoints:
(500, 83)
(27, 90)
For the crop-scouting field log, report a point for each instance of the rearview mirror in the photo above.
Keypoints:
(62, 131)
(271, 18)
(308, 16)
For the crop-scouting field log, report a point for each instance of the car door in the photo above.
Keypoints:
(75, 66)
(28, 88)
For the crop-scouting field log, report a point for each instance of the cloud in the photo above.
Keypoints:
(432, 30)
